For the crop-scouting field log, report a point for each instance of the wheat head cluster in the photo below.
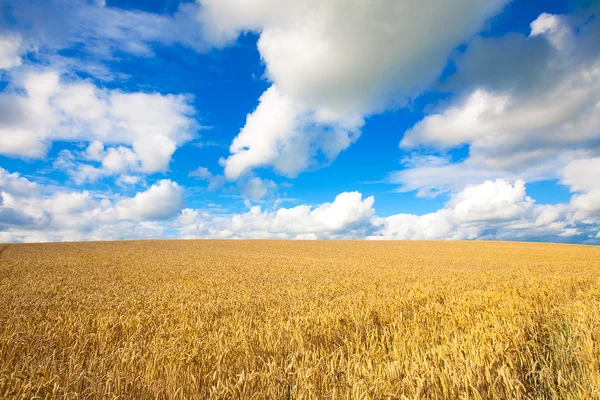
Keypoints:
(299, 320)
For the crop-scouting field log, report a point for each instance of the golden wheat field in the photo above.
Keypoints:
(299, 320)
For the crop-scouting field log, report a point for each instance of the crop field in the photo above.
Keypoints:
(299, 320)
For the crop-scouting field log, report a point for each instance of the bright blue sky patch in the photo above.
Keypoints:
(307, 120)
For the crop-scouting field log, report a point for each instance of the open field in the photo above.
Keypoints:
(269, 319)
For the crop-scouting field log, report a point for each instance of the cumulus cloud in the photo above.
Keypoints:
(582, 175)
(490, 201)
(349, 58)
(16, 185)
(333, 63)
(555, 28)
(496, 125)
(136, 132)
(583, 178)
(531, 106)
(257, 188)
(287, 135)
(33, 212)
(348, 216)
(588, 202)
(10, 48)
(201, 173)
(162, 201)
(491, 210)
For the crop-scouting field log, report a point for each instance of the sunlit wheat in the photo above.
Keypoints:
(268, 319)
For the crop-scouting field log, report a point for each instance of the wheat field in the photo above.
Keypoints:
(299, 320)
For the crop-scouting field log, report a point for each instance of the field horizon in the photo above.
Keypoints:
(533, 242)
(253, 319)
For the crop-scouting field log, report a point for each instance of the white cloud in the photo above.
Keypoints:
(588, 202)
(94, 151)
(495, 125)
(10, 49)
(41, 108)
(582, 175)
(287, 135)
(99, 30)
(201, 172)
(33, 212)
(555, 28)
(126, 180)
(491, 210)
(257, 188)
(333, 63)
(348, 216)
(16, 185)
(349, 58)
(490, 201)
(214, 181)
(433, 175)
(515, 128)
(162, 201)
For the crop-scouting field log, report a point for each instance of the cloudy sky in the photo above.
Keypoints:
(305, 119)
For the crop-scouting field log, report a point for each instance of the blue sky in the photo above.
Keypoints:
(300, 120)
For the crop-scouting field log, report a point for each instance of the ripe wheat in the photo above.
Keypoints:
(291, 320)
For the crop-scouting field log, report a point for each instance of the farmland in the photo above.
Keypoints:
(273, 319)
